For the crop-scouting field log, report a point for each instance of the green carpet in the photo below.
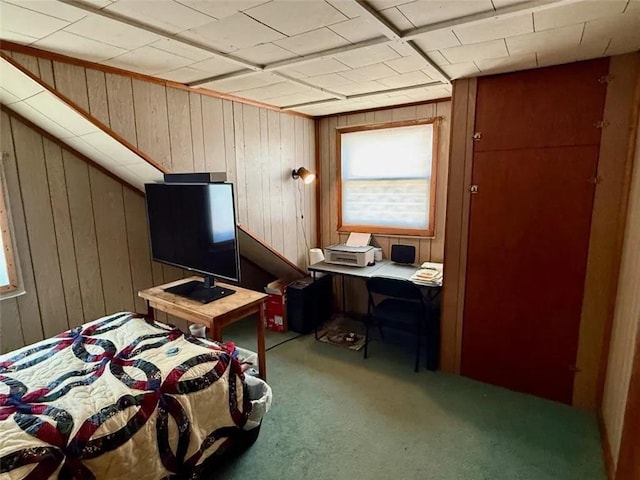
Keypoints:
(337, 416)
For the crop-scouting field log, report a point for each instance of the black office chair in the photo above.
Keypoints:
(402, 308)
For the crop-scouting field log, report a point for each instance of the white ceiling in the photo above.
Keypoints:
(320, 57)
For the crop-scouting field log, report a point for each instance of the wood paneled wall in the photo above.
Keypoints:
(80, 236)
(427, 249)
(186, 131)
(626, 324)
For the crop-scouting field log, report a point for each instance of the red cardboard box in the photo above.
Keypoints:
(276, 306)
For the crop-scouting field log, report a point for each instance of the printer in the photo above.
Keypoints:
(354, 256)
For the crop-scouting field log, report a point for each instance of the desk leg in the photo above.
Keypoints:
(150, 312)
(262, 354)
(216, 333)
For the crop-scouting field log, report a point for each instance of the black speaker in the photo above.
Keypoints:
(403, 253)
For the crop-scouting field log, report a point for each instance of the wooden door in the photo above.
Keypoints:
(529, 227)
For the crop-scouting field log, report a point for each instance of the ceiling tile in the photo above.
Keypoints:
(495, 28)
(310, 42)
(79, 47)
(16, 82)
(181, 49)
(360, 87)
(475, 51)
(272, 91)
(297, 98)
(145, 172)
(246, 82)
(587, 49)
(28, 22)
(437, 57)
(293, 18)
(407, 64)
(41, 120)
(53, 9)
(459, 70)
(427, 12)
(112, 32)
(236, 31)
(437, 40)
(320, 67)
(406, 79)
(507, 64)
(7, 98)
(372, 72)
(347, 7)
(58, 111)
(290, 72)
(367, 56)
(148, 60)
(623, 30)
(165, 14)
(402, 49)
(357, 29)
(216, 66)
(221, 8)
(331, 81)
(573, 13)
(381, 4)
(546, 40)
(396, 18)
(183, 75)
(624, 42)
(16, 37)
(264, 54)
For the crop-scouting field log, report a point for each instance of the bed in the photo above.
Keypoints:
(124, 397)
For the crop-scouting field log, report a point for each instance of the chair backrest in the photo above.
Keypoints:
(394, 287)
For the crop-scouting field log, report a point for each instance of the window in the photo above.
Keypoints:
(387, 176)
(8, 271)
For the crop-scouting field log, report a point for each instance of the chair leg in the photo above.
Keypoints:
(366, 339)
(418, 342)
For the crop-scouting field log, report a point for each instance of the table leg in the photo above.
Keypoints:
(150, 312)
(262, 354)
(216, 333)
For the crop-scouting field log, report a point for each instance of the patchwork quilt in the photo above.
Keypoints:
(120, 397)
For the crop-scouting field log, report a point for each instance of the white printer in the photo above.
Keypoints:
(354, 256)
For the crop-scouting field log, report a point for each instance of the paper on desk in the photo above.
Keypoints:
(358, 239)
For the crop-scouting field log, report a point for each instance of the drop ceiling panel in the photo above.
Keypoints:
(576, 13)
(475, 51)
(347, 7)
(293, 18)
(150, 60)
(69, 44)
(494, 29)
(41, 120)
(51, 106)
(318, 67)
(425, 12)
(215, 66)
(298, 98)
(232, 85)
(273, 91)
(183, 75)
(17, 37)
(396, 18)
(29, 22)
(112, 32)
(357, 29)
(234, 32)
(437, 40)
(264, 54)
(310, 42)
(407, 64)
(181, 49)
(507, 64)
(16, 82)
(367, 56)
(331, 81)
(371, 72)
(356, 88)
(51, 8)
(546, 40)
(221, 8)
(165, 14)
(7, 98)
(406, 80)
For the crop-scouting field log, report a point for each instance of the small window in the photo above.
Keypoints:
(387, 176)
(9, 283)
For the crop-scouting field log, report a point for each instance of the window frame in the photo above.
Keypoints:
(429, 232)
(7, 240)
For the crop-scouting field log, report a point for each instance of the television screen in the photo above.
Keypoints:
(193, 226)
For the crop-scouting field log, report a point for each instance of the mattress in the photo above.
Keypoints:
(120, 397)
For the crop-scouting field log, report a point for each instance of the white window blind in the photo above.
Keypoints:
(386, 177)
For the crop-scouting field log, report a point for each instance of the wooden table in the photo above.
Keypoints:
(214, 315)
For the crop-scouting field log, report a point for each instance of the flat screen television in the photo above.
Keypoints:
(193, 226)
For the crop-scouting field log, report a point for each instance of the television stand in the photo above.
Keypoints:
(203, 292)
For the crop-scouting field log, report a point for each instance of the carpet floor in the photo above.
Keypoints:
(338, 416)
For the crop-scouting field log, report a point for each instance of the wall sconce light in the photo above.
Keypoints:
(305, 175)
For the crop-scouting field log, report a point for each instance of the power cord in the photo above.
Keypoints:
(283, 342)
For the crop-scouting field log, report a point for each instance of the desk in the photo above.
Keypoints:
(382, 268)
(214, 315)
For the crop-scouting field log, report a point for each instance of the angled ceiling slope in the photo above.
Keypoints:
(28, 96)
